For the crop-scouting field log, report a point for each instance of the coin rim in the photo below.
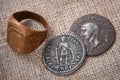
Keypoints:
(70, 71)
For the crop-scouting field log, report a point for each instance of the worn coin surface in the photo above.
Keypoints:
(95, 31)
(64, 54)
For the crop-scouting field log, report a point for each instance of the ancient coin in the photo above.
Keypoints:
(95, 31)
(64, 54)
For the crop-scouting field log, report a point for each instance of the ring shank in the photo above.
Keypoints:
(30, 15)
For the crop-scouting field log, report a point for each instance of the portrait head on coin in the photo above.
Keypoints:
(96, 31)
(90, 31)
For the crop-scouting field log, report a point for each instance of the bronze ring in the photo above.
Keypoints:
(22, 39)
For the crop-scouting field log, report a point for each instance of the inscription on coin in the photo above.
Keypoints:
(96, 32)
(64, 54)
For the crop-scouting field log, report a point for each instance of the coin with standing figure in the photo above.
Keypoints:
(95, 31)
(64, 54)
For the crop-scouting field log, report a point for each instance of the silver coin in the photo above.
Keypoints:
(64, 54)
(96, 32)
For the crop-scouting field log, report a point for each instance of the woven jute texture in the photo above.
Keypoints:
(60, 15)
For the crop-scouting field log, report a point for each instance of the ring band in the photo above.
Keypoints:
(22, 39)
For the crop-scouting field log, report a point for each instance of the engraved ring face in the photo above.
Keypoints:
(15, 38)
(96, 31)
(63, 54)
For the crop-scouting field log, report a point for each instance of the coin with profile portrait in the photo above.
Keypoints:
(96, 32)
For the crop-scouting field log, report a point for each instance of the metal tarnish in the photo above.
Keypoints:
(95, 31)
(64, 54)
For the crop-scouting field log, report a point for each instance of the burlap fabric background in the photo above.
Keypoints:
(60, 14)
